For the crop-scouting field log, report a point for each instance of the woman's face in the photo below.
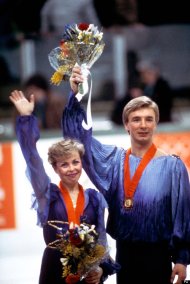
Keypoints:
(69, 169)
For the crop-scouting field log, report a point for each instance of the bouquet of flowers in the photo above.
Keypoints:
(81, 43)
(80, 250)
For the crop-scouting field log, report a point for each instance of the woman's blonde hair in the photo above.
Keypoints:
(138, 103)
(64, 148)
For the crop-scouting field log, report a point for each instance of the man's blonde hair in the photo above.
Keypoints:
(138, 103)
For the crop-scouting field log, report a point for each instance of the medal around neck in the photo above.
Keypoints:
(130, 185)
(128, 204)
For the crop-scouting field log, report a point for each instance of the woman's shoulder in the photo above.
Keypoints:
(95, 194)
(92, 191)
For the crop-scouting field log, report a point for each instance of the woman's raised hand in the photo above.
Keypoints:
(23, 106)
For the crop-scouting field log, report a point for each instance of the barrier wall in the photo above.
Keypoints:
(7, 210)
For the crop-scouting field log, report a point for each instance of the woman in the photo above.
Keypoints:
(67, 201)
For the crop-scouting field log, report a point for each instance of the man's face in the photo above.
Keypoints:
(141, 125)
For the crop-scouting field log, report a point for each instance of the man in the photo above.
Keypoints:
(147, 191)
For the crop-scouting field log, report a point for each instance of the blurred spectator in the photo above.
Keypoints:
(134, 91)
(157, 88)
(48, 104)
(132, 72)
(134, 88)
(121, 12)
(57, 13)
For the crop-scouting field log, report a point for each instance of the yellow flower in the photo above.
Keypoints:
(56, 78)
(66, 271)
(78, 259)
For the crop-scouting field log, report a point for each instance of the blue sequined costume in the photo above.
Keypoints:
(156, 231)
(50, 205)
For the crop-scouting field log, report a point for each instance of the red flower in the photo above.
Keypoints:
(62, 41)
(75, 238)
(72, 278)
(64, 48)
(83, 26)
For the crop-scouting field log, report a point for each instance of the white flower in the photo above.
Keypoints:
(64, 261)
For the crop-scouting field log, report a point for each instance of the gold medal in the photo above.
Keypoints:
(130, 185)
(128, 203)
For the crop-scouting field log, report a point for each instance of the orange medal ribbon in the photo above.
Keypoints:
(74, 214)
(130, 185)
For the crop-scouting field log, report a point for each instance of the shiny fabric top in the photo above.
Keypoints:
(161, 211)
(47, 199)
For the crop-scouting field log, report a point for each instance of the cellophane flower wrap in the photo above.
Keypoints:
(80, 249)
(82, 44)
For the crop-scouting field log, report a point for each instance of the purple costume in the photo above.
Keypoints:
(50, 205)
(156, 231)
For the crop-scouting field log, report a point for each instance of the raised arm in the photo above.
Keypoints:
(99, 160)
(27, 132)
